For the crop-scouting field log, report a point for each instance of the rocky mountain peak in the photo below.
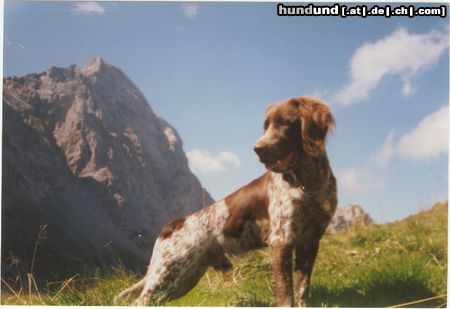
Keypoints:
(349, 217)
(95, 65)
(85, 152)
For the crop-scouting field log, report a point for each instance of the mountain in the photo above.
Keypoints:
(349, 217)
(87, 162)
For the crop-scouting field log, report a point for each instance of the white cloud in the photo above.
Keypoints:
(204, 162)
(427, 140)
(189, 10)
(386, 153)
(88, 8)
(401, 53)
(356, 180)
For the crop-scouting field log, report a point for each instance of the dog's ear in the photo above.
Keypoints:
(315, 122)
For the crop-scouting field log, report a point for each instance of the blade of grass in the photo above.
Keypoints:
(418, 301)
(209, 281)
(42, 229)
(66, 283)
(12, 290)
(36, 287)
(81, 279)
(29, 289)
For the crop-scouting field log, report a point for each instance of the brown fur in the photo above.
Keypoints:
(247, 204)
(316, 120)
(299, 125)
(171, 227)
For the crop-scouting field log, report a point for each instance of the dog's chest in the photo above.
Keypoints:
(285, 211)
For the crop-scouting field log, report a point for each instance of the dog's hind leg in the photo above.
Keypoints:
(136, 286)
(146, 295)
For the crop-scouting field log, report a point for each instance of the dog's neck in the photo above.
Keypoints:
(310, 173)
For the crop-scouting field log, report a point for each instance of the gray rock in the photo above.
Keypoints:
(84, 154)
(349, 217)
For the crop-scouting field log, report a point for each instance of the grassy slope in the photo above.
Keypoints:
(368, 267)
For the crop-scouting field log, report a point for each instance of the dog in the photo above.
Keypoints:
(288, 208)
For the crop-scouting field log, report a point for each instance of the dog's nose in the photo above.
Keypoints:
(261, 149)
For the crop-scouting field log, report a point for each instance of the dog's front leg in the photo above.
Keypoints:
(305, 255)
(282, 269)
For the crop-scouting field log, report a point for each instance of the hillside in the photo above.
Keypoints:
(376, 266)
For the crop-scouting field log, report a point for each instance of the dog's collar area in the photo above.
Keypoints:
(292, 178)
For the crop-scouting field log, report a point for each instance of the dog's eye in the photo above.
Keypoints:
(280, 121)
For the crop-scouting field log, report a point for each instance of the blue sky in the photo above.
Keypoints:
(210, 69)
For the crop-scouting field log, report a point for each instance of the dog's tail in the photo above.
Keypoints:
(139, 285)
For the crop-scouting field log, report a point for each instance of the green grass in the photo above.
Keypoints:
(378, 266)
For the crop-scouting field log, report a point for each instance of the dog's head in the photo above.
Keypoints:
(292, 129)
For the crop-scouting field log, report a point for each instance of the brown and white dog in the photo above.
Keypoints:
(287, 208)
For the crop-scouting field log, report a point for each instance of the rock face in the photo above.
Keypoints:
(84, 154)
(349, 217)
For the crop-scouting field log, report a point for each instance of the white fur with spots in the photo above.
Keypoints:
(283, 209)
(179, 261)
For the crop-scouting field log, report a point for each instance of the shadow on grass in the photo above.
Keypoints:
(378, 294)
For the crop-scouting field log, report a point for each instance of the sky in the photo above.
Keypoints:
(210, 69)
